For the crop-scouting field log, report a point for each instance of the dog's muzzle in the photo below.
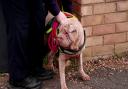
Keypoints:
(71, 52)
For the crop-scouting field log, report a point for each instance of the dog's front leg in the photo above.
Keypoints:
(51, 55)
(81, 70)
(62, 63)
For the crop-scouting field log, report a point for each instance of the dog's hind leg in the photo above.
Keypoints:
(81, 70)
(62, 64)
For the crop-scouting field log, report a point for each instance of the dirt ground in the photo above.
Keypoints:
(110, 73)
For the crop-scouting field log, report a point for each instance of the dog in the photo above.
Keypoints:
(69, 42)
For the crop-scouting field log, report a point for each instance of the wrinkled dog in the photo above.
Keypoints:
(70, 43)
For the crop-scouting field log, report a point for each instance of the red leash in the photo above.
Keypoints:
(52, 42)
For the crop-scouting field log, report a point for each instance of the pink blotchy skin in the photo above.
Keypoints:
(71, 36)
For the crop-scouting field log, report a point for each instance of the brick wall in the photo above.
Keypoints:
(106, 25)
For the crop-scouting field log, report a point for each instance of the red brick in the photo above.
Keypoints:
(111, 0)
(114, 38)
(103, 29)
(88, 31)
(88, 1)
(85, 59)
(104, 8)
(95, 40)
(122, 27)
(103, 50)
(115, 17)
(122, 47)
(87, 52)
(91, 1)
(123, 5)
(82, 10)
(92, 20)
(127, 36)
(86, 10)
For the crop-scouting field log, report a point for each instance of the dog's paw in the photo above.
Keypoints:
(85, 76)
(64, 88)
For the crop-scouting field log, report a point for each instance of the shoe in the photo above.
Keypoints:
(27, 83)
(44, 74)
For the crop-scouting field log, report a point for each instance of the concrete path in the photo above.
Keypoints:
(101, 78)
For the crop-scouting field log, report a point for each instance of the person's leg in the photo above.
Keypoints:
(17, 18)
(36, 34)
(36, 49)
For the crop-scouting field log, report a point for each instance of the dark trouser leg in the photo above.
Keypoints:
(17, 19)
(37, 27)
(24, 30)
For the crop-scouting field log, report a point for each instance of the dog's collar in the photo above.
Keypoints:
(71, 52)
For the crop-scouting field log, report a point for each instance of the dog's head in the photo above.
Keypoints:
(71, 36)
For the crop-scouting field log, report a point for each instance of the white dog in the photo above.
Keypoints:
(70, 42)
